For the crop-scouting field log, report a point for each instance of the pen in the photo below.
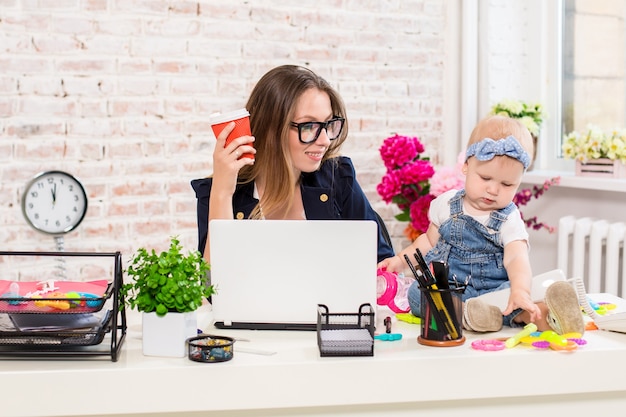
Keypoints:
(418, 276)
(421, 262)
(440, 269)
(256, 351)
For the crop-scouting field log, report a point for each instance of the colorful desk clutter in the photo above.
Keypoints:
(538, 340)
(601, 307)
(52, 296)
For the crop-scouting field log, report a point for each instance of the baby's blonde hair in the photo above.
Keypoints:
(500, 127)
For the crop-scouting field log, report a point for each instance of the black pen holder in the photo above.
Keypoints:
(442, 317)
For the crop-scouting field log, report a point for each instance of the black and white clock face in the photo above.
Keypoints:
(54, 202)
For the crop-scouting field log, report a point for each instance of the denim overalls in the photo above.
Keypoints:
(470, 251)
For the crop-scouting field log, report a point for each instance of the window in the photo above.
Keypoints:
(593, 89)
(570, 55)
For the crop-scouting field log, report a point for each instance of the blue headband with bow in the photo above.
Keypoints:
(487, 148)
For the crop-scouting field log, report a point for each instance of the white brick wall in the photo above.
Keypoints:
(118, 94)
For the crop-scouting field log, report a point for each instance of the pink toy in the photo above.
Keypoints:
(488, 344)
(391, 291)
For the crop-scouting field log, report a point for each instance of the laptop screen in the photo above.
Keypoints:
(272, 274)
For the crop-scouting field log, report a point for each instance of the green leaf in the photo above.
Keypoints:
(403, 216)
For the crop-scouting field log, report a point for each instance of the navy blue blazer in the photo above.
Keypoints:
(330, 193)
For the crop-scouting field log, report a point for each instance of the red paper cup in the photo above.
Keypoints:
(241, 118)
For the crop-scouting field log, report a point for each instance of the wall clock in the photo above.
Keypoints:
(54, 202)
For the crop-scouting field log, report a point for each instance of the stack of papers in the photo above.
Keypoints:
(55, 322)
(346, 341)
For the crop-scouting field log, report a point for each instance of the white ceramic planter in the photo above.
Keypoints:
(166, 336)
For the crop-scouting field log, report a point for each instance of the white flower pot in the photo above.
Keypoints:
(166, 336)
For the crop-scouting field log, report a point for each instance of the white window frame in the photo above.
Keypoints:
(543, 21)
(552, 64)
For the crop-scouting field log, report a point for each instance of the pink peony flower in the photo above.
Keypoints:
(397, 151)
(448, 178)
(389, 186)
(419, 213)
(445, 179)
(419, 170)
(407, 181)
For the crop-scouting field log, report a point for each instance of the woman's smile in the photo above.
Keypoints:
(316, 156)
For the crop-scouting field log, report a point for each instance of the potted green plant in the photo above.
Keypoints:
(167, 288)
(529, 114)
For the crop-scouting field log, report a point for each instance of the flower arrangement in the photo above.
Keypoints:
(530, 114)
(406, 182)
(595, 143)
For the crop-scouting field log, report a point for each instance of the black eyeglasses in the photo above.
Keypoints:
(308, 132)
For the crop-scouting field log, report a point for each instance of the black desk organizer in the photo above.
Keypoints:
(75, 343)
(345, 334)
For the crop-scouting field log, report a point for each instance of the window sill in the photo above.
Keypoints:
(569, 180)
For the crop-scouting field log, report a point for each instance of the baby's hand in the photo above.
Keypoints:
(521, 299)
(393, 264)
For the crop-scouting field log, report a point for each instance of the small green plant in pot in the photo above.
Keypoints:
(167, 282)
(162, 286)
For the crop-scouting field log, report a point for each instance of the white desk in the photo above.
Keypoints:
(403, 378)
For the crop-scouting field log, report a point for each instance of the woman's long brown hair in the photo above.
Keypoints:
(272, 105)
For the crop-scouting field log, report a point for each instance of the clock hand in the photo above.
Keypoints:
(54, 193)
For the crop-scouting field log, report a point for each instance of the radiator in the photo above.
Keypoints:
(593, 249)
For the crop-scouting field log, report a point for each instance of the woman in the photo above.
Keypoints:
(298, 122)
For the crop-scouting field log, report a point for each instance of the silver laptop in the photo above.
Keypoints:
(272, 274)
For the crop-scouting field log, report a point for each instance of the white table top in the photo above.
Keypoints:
(296, 376)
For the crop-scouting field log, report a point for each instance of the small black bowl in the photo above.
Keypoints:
(210, 349)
